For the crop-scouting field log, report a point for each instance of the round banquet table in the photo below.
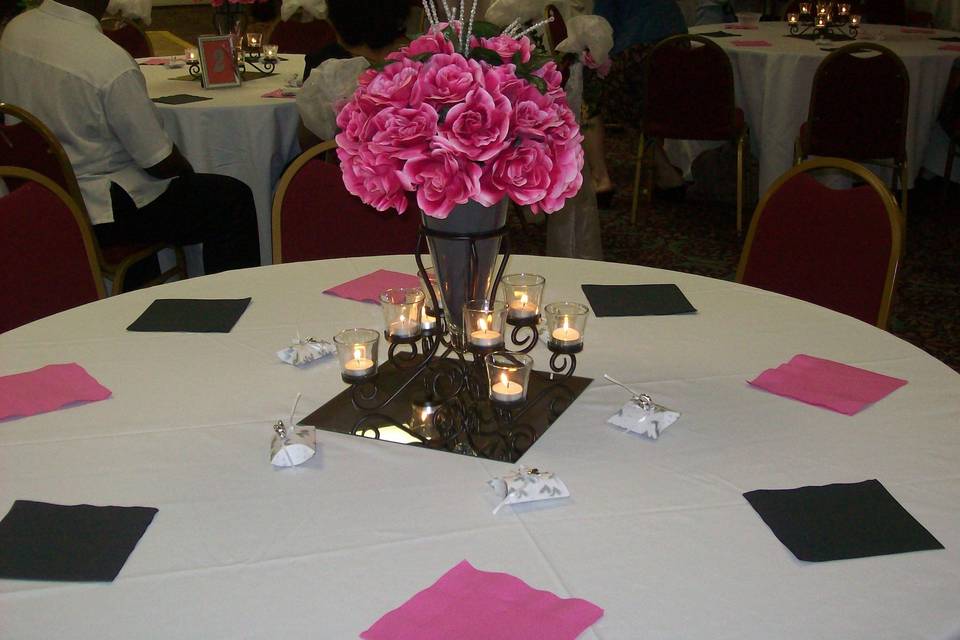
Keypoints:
(237, 132)
(655, 532)
(773, 90)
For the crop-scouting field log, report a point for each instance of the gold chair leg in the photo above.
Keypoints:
(948, 172)
(904, 189)
(636, 181)
(741, 140)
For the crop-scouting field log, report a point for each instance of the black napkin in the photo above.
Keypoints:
(947, 39)
(198, 316)
(180, 98)
(636, 299)
(80, 543)
(720, 34)
(840, 521)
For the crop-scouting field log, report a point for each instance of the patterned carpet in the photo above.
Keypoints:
(698, 236)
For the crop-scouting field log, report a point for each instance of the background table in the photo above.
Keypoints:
(773, 89)
(657, 533)
(236, 133)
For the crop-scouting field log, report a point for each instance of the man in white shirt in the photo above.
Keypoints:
(56, 63)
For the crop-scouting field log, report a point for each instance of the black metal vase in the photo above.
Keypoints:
(464, 247)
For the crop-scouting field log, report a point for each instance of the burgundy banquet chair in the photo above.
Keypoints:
(129, 36)
(689, 95)
(838, 248)
(315, 217)
(29, 144)
(48, 261)
(858, 110)
(556, 31)
(294, 36)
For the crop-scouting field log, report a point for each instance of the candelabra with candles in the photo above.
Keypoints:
(467, 389)
(262, 57)
(823, 19)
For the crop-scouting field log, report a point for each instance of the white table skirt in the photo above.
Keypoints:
(656, 533)
(237, 133)
(773, 89)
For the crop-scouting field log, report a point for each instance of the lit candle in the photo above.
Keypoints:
(404, 327)
(506, 391)
(844, 8)
(521, 307)
(253, 39)
(427, 321)
(822, 9)
(191, 54)
(270, 51)
(804, 7)
(360, 366)
(484, 337)
(854, 20)
(821, 21)
(566, 334)
(793, 18)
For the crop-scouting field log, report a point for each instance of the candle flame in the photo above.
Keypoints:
(482, 324)
(424, 414)
(358, 352)
(566, 323)
(505, 380)
(524, 299)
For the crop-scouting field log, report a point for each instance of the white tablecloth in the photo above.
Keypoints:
(237, 133)
(773, 89)
(656, 533)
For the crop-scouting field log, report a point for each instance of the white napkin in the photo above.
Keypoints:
(527, 485)
(311, 8)
(132, 9)
(328, 87)
(642, 415)
(304, 351)
(588, 32)
(288, 449)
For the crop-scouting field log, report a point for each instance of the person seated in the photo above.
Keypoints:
(136, 185)
(367, 30)
(715, 12)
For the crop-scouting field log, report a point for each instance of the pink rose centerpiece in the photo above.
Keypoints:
(466, 112)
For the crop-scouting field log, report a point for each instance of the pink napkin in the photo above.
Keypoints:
(916, 30)
(368, 288)
(826, 383)
(752, 43)
(468, 604)
(155, 61)
(740, 26)
(278, 93)
(950, 47)
(46, 389)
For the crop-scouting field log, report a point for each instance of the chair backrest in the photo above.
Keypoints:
(949, 116)
(689, 90)
(315, 217)
(838, 248)
(129, 36)
(293, 36)
(556, 31)
(47, 259)
(31, 145)
(858, 105)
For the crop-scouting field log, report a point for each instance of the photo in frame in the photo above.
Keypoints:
(218, 66)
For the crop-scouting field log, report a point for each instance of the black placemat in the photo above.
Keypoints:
(840, 521)
(180, 98)
(79, 543)
(720, 34)
(636, 299)
(948, 39)
(197, 316)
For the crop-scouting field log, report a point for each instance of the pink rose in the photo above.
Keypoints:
(534, 113)
(394, 84)
(427, 43)
(507, 46)
(566, 176)
(478, 126)
(502, 79)
(380, 183)
(353, 120)
(602, 69)
(522, 172)
(403, 132)
(367, 77)
(551, 75)
(448, 78)
(443, 180)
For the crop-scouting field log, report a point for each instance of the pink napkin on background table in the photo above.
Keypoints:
(368, 288)
(153, 61)
(826, 383)
(278, 93)
(468, 604)
(950, 47)
(752, 43)
(47, 389)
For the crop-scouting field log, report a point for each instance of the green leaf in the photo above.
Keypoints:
(486, 55)
(422, 57)
(539, 83)
(483, 29)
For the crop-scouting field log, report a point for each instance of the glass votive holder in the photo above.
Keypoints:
(854, 19)
(821, 21)
(357, 354)
(483, 323)
(843, 9)
(425, 285)
(523, 292)
(509, 376)
(401, 313)
(566, 323)
(191, 54)
(805, 7)
(423, 419)
(793, 18)
(254, 40)
(271, 51)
